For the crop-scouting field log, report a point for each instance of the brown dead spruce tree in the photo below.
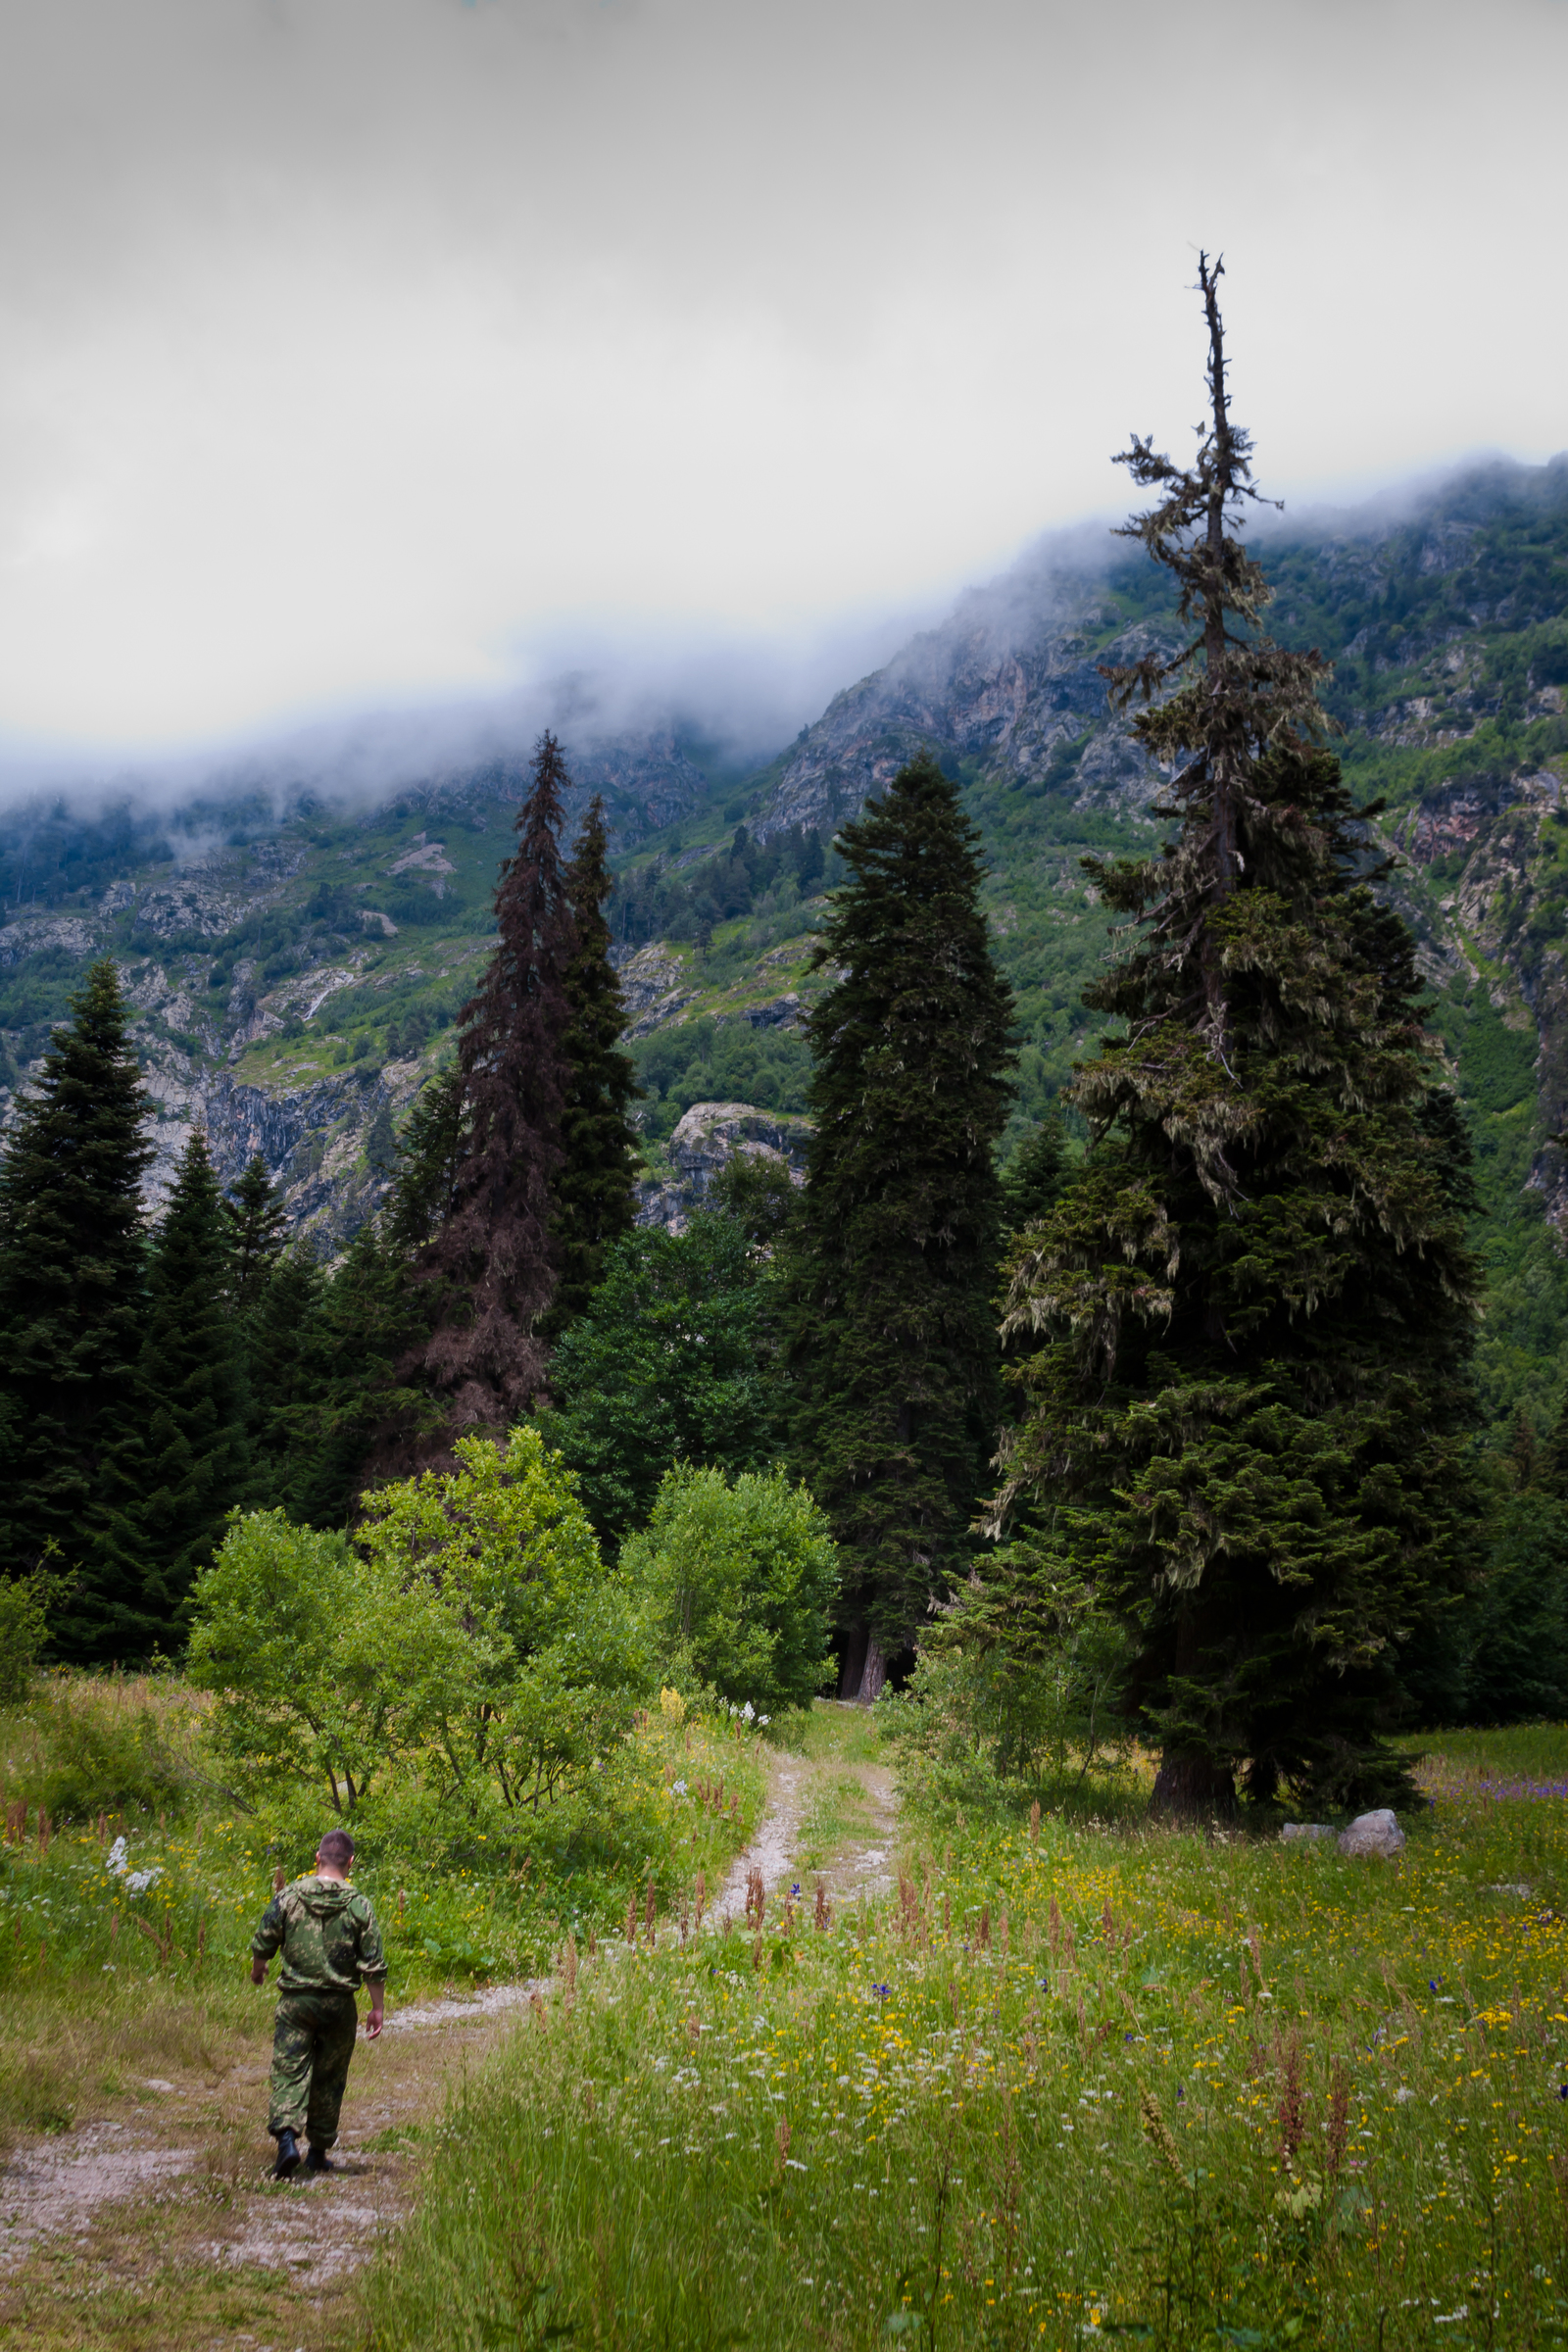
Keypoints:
(490, 1262)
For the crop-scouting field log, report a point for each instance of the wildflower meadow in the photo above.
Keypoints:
(1061, 2078)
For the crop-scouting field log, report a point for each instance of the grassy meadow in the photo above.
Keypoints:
(1070, 2078)
(1022, 2082)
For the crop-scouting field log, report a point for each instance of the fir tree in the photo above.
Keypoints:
(359, 1410)
(1247, 1397)
(595, 1197)
(71, 1276)
(257, 1225)
(491, 1260)
(1035, 1177)
(178, 1465)
(430, 1154)
(285, 1383)
(890, 1267)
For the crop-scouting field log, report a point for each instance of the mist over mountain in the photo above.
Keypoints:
(299, 927)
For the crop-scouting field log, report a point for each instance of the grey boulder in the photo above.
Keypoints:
(1376, 1833)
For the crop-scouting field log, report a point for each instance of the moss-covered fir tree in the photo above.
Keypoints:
(890, 1268)
(72, 1253)
(595, 1197)
(1247, 1411)
(178, 1465)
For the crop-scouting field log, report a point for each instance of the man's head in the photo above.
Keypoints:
(336, 1854)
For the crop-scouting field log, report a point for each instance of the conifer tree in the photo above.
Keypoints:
(71, 1275)
(430, 1154)
(890, 1267)
(491, 1261)
(257, 1225)
(595, 1197)
(284, 1381)
(180, 1463)
(1035, 1177)
(1247, 1408)
(360, 1410)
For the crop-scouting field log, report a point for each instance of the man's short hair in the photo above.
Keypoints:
(336, 1847)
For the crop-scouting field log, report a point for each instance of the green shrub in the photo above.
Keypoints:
(25, 1604)
(470, 1634)
(116, 1744)
(739, 1581)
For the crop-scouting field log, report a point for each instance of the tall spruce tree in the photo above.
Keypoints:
(1248, 1409)
(284, 1382)
(491, 1261)
(890, 1268)
(178, 1465)
(595, 1197)
(256, 1224)
(71, 1276)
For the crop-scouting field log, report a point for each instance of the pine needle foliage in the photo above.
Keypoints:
(890, 1266)
(491, 1260)
(257, 1234)
(71, 1275)
(595, 1195)
(1243, 1332)
(180, 1464)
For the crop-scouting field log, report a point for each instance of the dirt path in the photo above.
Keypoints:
(160, 2219)
(153, 2226)
(831, 1814)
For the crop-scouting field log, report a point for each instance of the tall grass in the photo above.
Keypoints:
(1064, 2083)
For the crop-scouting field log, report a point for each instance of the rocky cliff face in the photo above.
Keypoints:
(1010, 683)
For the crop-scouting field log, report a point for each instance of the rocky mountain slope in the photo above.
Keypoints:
(296, 966)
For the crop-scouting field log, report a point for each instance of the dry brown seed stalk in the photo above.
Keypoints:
(1151, 2116)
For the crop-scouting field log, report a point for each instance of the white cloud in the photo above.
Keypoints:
(355, 343)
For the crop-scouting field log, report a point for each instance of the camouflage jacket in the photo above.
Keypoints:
(327, 1933)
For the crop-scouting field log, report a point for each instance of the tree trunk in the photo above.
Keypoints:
(875, 1672)
(1194, 1787)
(855, 1648)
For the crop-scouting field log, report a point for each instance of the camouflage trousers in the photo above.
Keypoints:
(312, 2042)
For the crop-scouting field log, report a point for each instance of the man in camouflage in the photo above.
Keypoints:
(330, 1945)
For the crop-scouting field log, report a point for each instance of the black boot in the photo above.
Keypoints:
(288, 2157)
(319, 2161)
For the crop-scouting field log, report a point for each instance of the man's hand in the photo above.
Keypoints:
(372, 2024)
(258, 1971)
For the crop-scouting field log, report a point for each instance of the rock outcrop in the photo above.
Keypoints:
(707, 1139)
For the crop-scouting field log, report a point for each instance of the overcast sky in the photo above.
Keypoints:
(351, 351)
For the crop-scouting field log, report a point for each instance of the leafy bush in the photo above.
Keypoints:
(470, 1633)
(25, 1605)
(670, 1363)
(739, 1583)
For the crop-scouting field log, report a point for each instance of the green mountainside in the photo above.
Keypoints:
(297, 966)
